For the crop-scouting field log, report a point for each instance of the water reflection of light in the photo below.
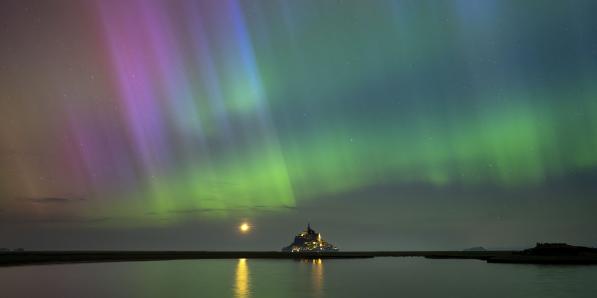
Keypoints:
(317, 277)
(241, 285)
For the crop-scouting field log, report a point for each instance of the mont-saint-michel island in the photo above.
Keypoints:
(309, 241)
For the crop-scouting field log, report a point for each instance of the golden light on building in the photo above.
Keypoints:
(309, 240)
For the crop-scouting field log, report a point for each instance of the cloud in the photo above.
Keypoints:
(274, 207)
(74, 219)
(230, 209)
(194, 210)
(190, 211)
(56, 219)
(55, 200)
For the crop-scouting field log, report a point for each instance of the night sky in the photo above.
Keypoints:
(143, 124)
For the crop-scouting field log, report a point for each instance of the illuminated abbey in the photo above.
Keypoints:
(309, 241)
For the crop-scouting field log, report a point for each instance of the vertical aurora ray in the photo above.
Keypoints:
(185, 164)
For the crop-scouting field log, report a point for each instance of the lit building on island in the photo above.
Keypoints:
(309, 241)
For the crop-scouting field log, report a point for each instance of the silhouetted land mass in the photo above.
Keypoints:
(52, 257)
(550, 253)
(543, 253)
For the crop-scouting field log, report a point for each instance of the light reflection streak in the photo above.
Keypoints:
(317, 277)
(242, 279)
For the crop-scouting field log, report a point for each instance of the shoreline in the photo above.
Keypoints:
(65, 257)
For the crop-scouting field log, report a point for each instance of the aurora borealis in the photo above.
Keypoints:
(146, 113)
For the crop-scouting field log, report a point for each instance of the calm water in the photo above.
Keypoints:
(379, 277)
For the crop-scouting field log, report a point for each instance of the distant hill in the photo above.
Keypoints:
(476, 248)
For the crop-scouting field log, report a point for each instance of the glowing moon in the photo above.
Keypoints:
(244, 227)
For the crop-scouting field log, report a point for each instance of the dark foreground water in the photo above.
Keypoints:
(379, 277)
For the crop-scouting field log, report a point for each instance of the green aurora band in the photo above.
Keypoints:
(298, 100)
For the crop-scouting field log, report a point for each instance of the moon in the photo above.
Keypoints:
(244, 227)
